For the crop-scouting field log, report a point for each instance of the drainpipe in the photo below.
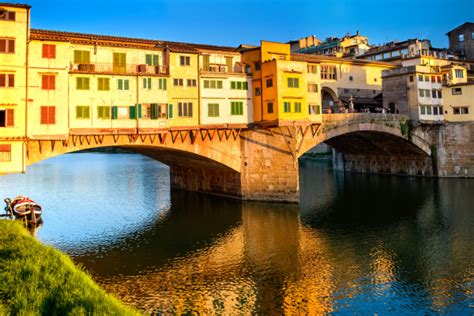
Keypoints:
(25, 143)
(136, 106)
(199, 91)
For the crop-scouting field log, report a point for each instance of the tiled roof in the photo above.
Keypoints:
(15, 5)
(322, 58)
(82, 38)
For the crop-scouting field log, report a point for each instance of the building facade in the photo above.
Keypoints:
(461, 40)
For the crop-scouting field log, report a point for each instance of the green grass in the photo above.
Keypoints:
(39, 280)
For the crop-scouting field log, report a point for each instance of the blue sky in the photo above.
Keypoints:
(227, 22)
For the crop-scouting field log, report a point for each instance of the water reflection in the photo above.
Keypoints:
(358, 243)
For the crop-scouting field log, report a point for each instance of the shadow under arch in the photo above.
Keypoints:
(329, 99)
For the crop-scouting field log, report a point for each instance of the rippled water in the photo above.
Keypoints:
(357, 243)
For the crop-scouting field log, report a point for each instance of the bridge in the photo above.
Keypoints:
(259, 162)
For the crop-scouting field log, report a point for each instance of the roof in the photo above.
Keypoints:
(15, 5)
(322, 58)
(467, 24)
(106, 40)
(390, 46)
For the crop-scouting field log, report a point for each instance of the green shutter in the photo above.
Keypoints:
(154, 111)
(148, 59)
(232, 85)
(86, 83)
(144, 83)
(160, 83)
(120, 84)
(155, 60)
(206, 84)
(170, 110)
(246, 87)
(239, 85)
(149, 83)
(164, 83)
(139, 110)
(219, 84)
(114, 112)
(126, 84)
(132, 112)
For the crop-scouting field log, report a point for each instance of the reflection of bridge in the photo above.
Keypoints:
(259, 163)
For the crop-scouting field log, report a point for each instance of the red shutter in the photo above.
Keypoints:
(6, 148)
(11, 46)
(52, 51)
(52, 115)
(45, 51)
(3, 82)
(44, 115)
(44, 82)
(52, 82)
(10, 118)
(3, 45)
(11, 80)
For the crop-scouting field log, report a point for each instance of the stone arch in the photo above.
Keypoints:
(329, 99)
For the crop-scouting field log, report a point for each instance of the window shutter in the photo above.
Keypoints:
(77, 56)
(45, 55)
(246, 87)
(52, 51)
(11, 80)
(154, 111)
(11, 46)
(114, 112)
(52, 82)
(155, 60)
(44, 115)
(52, 115)
(125, 86)
(3, 80)
(164, 83)
(160, 83)
(232, 84)
(148, 59)
(10, 118)
(139, 110)
(205, 62)
(44, 82)
(149, 83)
(219, 84)
(132, 112)
(144, 83)
(120, 84)
(190, 112)
(170, 111)
(86, 83)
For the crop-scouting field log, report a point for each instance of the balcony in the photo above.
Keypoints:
(224, 69)
(128, 69)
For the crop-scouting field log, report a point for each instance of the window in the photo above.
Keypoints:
(7, 45)
(461, 110)
(213, 110)
(82, 83)
(147, 83)
(103, 84)
(162, 111)
(238, 85)
(103, 112)
(456, 91)
(123, 112)
(312, 69)
(48, 82)
(82, 57)
(213, 84)
(237, 108)
(5, 152)
(270, 107)
(82, 112)
(293, 83)
(152, 60)
(123, 84)
(7, 118)
(433, 78)
(119, 62)
(258, 91)
(420, 77)
(185, 109)
(421, 92)
(472, 35)
(461, 37)
(286, 107)
(162, 83)
(269, 83)
(328, 72)
(184, 60)
(440, 94)
(257, 66)
(411, 78)
(178, 82)
(170, 111)
(7, 80)
(314, 109)
(422, 110)
(433, 94)
(297, 107)
(312, 87)
(49, 51)
(193, 83)
(48, 115)
(428, 110)
(459, 73)
(7, 15)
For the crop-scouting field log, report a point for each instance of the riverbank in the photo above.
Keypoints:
(38, 279)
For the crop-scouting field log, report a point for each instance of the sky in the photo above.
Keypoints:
(231, 23)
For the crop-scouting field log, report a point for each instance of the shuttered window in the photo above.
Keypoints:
(185, 109)
(170, 111)
(132, 112)
(213, 84)
(293, 83)
(7, 118)
(236, 108)
(162, 83)
(82, 112)
(287, 107)
(48, 82)
(147, 83)
(103, 112)
(152, 60)
(5, 152)
(103, 84)
(120, 62)
(82, 57)
(7, 45)
(297, 107)
(82, 83)
(49, 51)
(7, 15)
(213, 110)
(123, 84)
(48, 115)
(7, 80)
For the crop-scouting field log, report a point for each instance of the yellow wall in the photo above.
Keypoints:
(273, 50)
(451, 101)
(298, 70)
(184, 93)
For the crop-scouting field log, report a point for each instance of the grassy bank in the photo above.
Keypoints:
(38, 279)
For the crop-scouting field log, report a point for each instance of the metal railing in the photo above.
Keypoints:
(134, 69)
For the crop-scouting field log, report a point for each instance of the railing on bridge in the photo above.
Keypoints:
(363, 118)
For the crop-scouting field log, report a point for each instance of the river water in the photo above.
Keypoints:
(357, 243)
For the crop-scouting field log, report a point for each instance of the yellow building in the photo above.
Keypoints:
(458, 94)
(14, 29)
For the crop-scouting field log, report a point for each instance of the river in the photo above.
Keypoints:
(356, 243)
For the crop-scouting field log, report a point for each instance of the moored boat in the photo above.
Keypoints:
(23, 207)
